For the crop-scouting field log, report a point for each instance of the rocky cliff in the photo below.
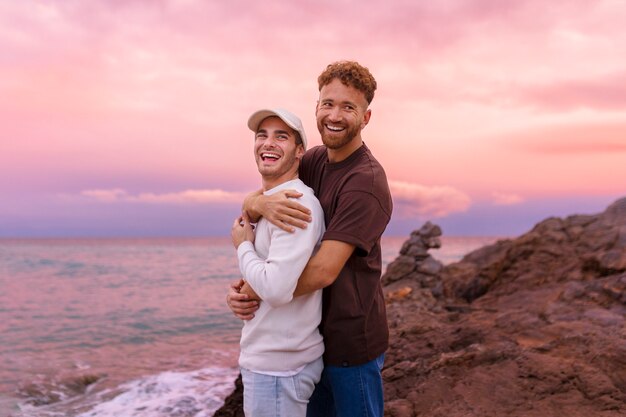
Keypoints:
(533, 326)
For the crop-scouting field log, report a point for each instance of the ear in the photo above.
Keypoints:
(317, 106)
(300, 152)
(366, 118)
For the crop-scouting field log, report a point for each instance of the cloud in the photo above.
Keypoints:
(117, 195)
(106, 196)
(415, 200)
(504, 199)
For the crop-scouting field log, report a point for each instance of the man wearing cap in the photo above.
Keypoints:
(281, 348)
(352, 188)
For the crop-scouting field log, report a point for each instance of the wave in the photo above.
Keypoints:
(168, 394)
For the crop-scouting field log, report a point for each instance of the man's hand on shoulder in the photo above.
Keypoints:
(279, 209)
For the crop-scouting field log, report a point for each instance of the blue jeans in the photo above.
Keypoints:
(354, 391)
(279, 396)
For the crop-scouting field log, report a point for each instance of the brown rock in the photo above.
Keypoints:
(233, 405)
(414, 257)
(399, 294)
(533, 326)
(430, 266)
(399, 408)
(399, 268)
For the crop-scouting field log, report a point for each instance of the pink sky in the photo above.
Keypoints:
(131, 114)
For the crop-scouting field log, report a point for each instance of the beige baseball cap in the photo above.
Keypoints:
(289, 118)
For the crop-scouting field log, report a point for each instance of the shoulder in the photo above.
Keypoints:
(367, 180)
(315, 153)
(369, 165)
(367, 174)
(308, 195)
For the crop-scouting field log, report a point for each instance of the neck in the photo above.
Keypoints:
(338, 155)
(269, 183)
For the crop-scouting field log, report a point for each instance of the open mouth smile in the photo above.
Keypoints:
(334, 128)
(269, 156)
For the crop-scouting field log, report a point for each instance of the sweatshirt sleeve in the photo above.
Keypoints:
(275, 278)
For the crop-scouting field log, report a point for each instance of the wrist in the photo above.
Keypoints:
(251, 205)
(237, 242)
(242, 244)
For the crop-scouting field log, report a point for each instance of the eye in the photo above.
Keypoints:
(282, 137)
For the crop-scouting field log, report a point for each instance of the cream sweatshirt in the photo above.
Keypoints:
(283, 336)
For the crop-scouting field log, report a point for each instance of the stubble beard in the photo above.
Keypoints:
(337, 141)
(287, 162)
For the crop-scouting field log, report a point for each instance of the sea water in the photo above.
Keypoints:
(125, 327)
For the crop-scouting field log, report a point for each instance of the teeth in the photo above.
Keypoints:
(334, 128)
(270, 155)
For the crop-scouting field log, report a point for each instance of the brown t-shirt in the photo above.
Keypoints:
(357, 207)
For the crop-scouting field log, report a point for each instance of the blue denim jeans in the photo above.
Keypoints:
(279, 396)
(353, 391)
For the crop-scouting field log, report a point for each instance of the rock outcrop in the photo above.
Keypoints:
(532, 326)
(233, 405)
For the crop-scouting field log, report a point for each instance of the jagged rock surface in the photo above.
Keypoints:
(533, 326)
(233, 405)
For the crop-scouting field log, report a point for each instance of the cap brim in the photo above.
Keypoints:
(257, 117)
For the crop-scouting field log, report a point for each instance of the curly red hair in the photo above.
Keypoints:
(352, 74)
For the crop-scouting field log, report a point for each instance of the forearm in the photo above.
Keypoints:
(250, 206)
(324, 267)
(247, 290)
(280, 209)
(265, 279)
(313, 278)
(274, 278)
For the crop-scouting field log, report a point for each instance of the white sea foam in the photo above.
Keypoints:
(170, 394)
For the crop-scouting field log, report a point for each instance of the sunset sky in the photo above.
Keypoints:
(128, 117)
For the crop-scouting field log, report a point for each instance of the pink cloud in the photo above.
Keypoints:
(427, 201)
(182, 197)
(106, 196)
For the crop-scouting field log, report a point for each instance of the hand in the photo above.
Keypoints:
(242, 230)
(247, 290)
(240, 304)
(281, 210)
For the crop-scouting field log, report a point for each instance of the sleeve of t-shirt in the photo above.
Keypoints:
(359, 220)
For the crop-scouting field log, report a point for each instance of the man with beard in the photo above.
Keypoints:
(353, 191)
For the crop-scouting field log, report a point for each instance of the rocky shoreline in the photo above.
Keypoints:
(532, 326)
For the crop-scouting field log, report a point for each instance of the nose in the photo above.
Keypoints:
(334, 114)
(269, 142)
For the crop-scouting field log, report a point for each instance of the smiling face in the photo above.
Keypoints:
(276, 153)
(341, 115)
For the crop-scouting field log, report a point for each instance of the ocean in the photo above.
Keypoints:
(126, 327)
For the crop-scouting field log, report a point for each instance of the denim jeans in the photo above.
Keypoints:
(353, 391)
(279, 396)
